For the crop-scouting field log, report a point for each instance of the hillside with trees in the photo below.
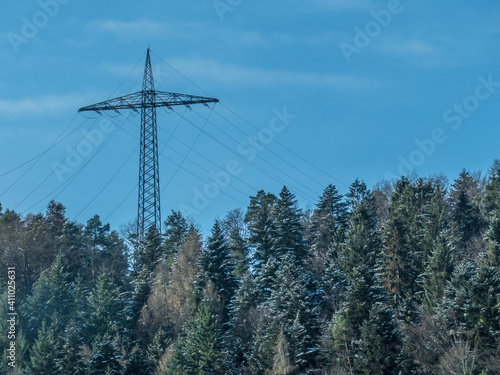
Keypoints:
(400, 278)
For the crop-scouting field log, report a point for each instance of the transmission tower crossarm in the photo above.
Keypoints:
(138, 100)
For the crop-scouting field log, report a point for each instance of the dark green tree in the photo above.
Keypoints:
(44, 353)
(328, 216)
(438, 271)
(137, 362)
(493, 242)
(106, 308)
(176, 229)
(218, 267)
(289, 233)
(203, 348)
(104, 357)
(71, 361)
(465, 212)
(261, 226)
(380, 344)
(52, 300)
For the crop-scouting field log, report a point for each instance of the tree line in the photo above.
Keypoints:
(402, 278)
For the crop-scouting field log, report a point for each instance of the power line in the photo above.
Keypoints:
(253, 126)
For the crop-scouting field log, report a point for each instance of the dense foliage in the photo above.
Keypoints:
(400, 279)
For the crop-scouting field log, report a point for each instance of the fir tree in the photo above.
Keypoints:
(71, 362)
(261, 226)
(44, 353)
(288, 239)
(466, 215)
(176, 229)
(493, 242)
(149, 252)
(380, 344)
(105, 357)
(106, 308)
(239, 251)
(137, 362)
(401, 253)
(438, 271)
(203, 350)
(362, 243)
(52, 291)
(217, 267)
(327, 218)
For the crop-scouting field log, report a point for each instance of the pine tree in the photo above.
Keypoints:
(362, 243)
(149, 252)
(96, 233)
(239, 253)
(70, 361)
(380, 343)
(293, 305)
(492, 197)
(261, 226)
(44, 353)
(466, 215)
(288, 239)
(104, 357)
(106, 308)
(137, 362)
(56, 218)
(493, 242)
(52, 290)
(438, 271)
(401, 253)
(328, 217)
(176, 229)
(217, 267)
(203, 351)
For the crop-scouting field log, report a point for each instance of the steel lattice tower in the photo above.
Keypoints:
(147, 101)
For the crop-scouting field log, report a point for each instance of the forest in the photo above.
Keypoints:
(400, 278)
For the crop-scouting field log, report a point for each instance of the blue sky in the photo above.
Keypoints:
(311, 93)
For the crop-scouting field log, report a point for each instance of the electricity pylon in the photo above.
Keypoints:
(147, 101)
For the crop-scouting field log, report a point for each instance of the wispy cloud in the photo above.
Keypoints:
(243, 76)
(408, 47)
(128, 29)
(47, 104)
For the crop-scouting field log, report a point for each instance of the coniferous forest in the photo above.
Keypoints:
(398, 278)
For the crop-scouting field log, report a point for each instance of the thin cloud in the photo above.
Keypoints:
(48, 104)
(242, 76)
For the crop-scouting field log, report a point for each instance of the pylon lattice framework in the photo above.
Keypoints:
(147, 100)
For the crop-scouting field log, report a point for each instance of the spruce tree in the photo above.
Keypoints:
(176, 229)
(288, 239)
(401, 253)
(44, 353)
(438, 271)
(261, 227)
(104, 357)
(70, 361)
(106, 308)
(362, 243)
(217, 267)
(52, 291)
(466, 216)
(493, 242)
(203, 346)
(137, 362)
(380, 344)
(328, 216)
